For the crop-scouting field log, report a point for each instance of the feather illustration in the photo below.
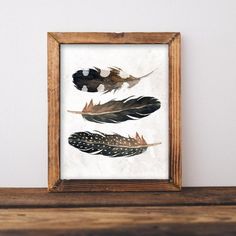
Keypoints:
(113, 145)
(119, 111)
(98, 80)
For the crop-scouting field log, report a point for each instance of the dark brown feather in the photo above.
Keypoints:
(119, 111)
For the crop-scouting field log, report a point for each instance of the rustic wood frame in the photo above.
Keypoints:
(55, 183)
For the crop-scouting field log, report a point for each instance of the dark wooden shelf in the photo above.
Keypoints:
(194, 211)
(39, 197)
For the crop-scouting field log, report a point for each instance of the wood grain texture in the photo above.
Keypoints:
(40, 198)
(58, 185)
(194, 211)
(193, 229)
(174, 111)
(114, 38)
(53, 112)
(114, 186)
(115, 221)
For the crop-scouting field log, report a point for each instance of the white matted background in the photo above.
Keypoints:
(208, 78)
(136, 60)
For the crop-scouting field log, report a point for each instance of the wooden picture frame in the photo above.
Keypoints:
(55, 183)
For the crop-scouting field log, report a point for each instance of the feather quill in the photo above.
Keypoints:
(119, 111)
(113, 145)
(98, 80)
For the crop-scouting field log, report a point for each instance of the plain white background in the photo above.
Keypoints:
(208, 78)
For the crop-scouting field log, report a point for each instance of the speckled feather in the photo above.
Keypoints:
(119, 111)
(98, 80)
(113, 145)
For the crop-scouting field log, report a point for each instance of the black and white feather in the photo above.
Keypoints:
(98, 80)
(113, 145)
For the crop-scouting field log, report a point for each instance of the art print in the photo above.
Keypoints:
(114, 111)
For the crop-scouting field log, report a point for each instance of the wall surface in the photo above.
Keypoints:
(208, 78)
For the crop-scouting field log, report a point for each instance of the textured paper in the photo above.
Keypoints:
(136, 60)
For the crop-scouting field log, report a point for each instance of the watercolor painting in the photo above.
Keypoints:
(113, 145)
(114, 112)
(106, 80)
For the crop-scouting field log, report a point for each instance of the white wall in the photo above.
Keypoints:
(208, 78)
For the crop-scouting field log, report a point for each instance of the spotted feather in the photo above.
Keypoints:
(98, 80)
(113, 145)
